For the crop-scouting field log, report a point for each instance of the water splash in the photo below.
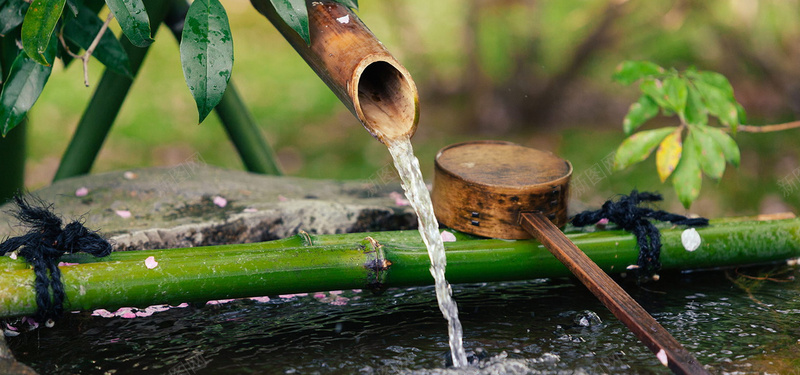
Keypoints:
(417, 193)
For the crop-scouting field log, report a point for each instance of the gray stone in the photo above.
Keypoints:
(175, 207)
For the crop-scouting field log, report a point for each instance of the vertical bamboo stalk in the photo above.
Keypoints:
(105, 104)
(242, 129)
(12, 162)
(12, 147)
(356, 66)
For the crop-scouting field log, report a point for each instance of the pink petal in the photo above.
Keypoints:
(218, 301)
(250, 210)
(13, 255)
(260, 299)
(124, 214)
(81, 192)
(142, 314)
(220, 201)
(319, 295)
(335, 292)
(603, 221)
(399, 199)
(286, 296)
(157, 308)
(128, 315)
(662, 357)
(448, 237)
(182, 305)
(150, 262)
(65, 264)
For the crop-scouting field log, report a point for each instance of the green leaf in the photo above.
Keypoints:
(133, 19)
(639, 113)
(349, 3)
(12, 15)
(668, 154)
(74, 7)
(687, 178)
(717, 94)
(710, 154)
(24, 85)
(38, 26)
(726, 143)
(84, 28)
(631, 71)
(695, 113)
(206, 53)
(654, 88)
(295, 14)
(675, 93)
(639, 146)
(713, 79)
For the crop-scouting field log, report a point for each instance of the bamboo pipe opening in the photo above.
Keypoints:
(386, 99)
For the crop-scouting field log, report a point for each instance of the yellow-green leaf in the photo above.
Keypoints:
(38, 26)
(668, 154)
(687, 178)
(639, 146)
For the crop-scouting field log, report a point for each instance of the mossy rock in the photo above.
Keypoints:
(197, 205)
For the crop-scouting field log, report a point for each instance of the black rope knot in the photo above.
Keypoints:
(627, 214)
(42, 247)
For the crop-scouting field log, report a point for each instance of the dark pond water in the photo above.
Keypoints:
(737, 321)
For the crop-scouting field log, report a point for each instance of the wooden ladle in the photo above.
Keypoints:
(504, 190)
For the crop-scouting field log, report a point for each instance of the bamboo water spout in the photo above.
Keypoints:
(356, 66)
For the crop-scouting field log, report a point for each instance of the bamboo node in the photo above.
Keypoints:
(376, 264)
(305, 238)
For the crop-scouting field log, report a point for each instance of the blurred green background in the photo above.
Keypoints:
(532, 72)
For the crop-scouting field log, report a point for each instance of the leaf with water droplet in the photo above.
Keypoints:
(38, 26)
(295, 14)
(25, 82)
(12, 15)
(206, 53)
(133, 19)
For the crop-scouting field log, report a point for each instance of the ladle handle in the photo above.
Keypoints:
(622, 305)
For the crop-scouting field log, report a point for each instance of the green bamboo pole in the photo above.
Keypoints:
(238, 122)
(307, 263)
(12, 162)
(12, 147)
(242, 129)
(105, 104)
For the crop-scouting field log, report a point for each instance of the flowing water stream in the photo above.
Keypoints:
(418, 196)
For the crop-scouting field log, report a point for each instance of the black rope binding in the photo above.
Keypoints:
(44, 244)
(627, 214)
